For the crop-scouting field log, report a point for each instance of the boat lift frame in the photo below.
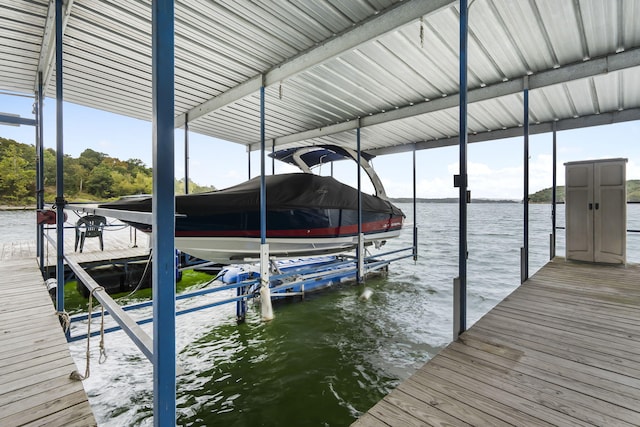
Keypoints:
(330, 271)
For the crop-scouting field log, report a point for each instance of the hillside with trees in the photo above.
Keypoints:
(90, 177)
(544, 196)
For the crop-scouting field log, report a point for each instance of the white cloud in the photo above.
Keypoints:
(633, 170)
(507, 182)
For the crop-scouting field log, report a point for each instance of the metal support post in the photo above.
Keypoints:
(415, 210)
(456, 308)
(462, 181)
(241, 305)
(552, 253)
(163, 217)
(273, 158)
(265, 293)
(523, 277)
(360, 254)
(60, 202)
(525, 199)
(249, 161)
(186, 153)
(40, 170)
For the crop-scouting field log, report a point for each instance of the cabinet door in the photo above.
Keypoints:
(610, 214)
(579, 212)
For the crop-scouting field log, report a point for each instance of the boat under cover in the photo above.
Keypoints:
(307, 215)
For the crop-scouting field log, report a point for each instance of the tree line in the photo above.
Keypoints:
(545, 195)
(91, 176)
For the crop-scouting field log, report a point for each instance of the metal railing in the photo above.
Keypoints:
(328, 271)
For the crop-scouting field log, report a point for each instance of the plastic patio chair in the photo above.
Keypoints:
(89, 226)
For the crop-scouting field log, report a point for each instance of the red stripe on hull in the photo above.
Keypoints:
(394, 223)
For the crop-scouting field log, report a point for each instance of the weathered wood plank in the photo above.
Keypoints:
(589, 354)
(42, 405)
(562, 349)
(577, 327)
(35, 388)
(368, 420)
(508, 414)
(429, 404)
(74, 416)
(570, 309)
(6, 355)
(513, 385)
(490, 388)
(595, 390)
(395, 416)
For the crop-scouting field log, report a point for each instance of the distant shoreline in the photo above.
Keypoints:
(449, 200)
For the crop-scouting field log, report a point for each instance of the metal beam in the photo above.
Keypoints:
(575, 71)
(47, 49)
(15, 120)
(368, 30)
(546, 127)
(122, 215)
(128, 325)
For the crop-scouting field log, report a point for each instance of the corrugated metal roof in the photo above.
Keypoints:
(390, 65)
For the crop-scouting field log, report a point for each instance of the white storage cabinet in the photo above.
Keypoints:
(596, 211)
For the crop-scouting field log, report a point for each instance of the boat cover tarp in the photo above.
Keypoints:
(284, 191)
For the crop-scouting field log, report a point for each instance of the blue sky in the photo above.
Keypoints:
(495, 168)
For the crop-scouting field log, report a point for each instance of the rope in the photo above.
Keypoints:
(65, 320)
(75, 375)
(144, 275)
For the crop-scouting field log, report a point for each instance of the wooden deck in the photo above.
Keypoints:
(119, 243)
(563, 349)
(35, 363)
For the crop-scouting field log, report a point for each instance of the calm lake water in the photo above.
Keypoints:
(328, 359)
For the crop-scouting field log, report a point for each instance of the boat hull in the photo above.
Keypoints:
(233, 250)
